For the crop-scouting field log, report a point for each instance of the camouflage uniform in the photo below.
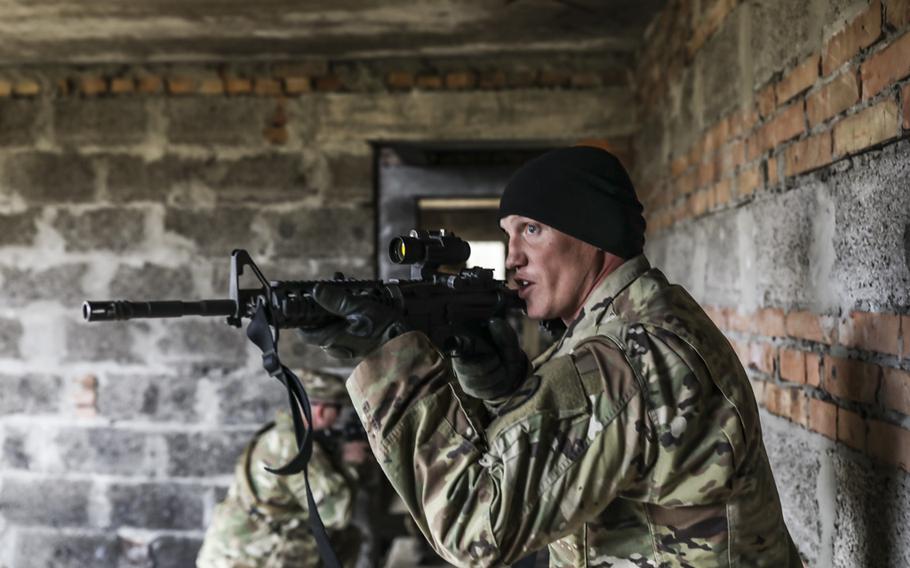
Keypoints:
(634, 442)
(263, 521)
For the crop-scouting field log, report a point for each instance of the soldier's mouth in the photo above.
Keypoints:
(523, 287)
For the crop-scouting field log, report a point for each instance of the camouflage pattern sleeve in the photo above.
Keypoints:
(552, 459)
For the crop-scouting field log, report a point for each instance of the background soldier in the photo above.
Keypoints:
(263, 521)
(633, 441)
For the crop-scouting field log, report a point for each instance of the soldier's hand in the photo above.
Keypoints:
(495, 366)
(366, 324)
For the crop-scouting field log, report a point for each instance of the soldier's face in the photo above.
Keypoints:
(554, 272)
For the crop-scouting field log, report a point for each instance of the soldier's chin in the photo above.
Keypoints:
(536, 311)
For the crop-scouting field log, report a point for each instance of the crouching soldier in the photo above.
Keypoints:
(263, 521)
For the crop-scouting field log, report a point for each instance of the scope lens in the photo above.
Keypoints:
(398, 250)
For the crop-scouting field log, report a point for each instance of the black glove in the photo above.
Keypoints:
(494, 366)
(367, 324)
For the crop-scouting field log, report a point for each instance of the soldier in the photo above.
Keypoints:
(633, 441)
(263, 521)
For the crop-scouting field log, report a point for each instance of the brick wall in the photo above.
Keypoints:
(775, 167)
(124, 182)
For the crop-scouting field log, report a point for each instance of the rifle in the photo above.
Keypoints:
(440, 304)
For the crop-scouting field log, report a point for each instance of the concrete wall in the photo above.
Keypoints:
(117, 439)
(774, 162)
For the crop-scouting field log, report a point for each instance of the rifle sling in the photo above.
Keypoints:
(260, 333)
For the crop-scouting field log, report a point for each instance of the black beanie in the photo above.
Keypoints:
(582, 191)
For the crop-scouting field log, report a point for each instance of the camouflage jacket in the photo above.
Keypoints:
(634, 442)
(263, 521)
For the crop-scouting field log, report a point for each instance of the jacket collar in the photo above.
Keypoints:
(596, 305)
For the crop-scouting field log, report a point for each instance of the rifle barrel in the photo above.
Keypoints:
(110, 310)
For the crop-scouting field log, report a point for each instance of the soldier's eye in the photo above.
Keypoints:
(532, 229)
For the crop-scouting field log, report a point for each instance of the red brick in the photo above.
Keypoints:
(716, 136)
(761, 357)
(834, 98)
(686, 184)
(738, 321)
(150, 84)
(238, 86)
(886, 67)
(211, 86)
(798, 80)
(92, 86)
(679, 165)
(789, 123)
(328, 83)
(497, 80)
(741, 122)
(696, 152)
(400, 80)
(898, 12)
(722, 192)
(733, 156)
(770, 322)
(6, 88)
(889, 444)
(427, 81)
(297, 85)
(122, 85)
(307, 68)
(266, 86)
(748, 181)
(582, 80)
(749, 119)
(871, 332)
(851, 429)
(809, 154)
(895, 393)
(776, 401)
(180, 85)
(806, 325)
(823, 418)
(766, 100)
(547, 78)
(852, 380)
(799, 407)
(792, 365)
(755, 144)
(462, 79)
(27, 88)
(905, 97)
(700, 202)
(867, 128)
(813, 369)
(859, 34)
(706, 174)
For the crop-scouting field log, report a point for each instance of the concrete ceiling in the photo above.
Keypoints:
(103, 31)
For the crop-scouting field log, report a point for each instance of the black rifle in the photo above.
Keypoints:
(437, 303)
(440, 304)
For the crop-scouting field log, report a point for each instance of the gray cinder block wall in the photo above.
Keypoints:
(774, 159)
(116, 440)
